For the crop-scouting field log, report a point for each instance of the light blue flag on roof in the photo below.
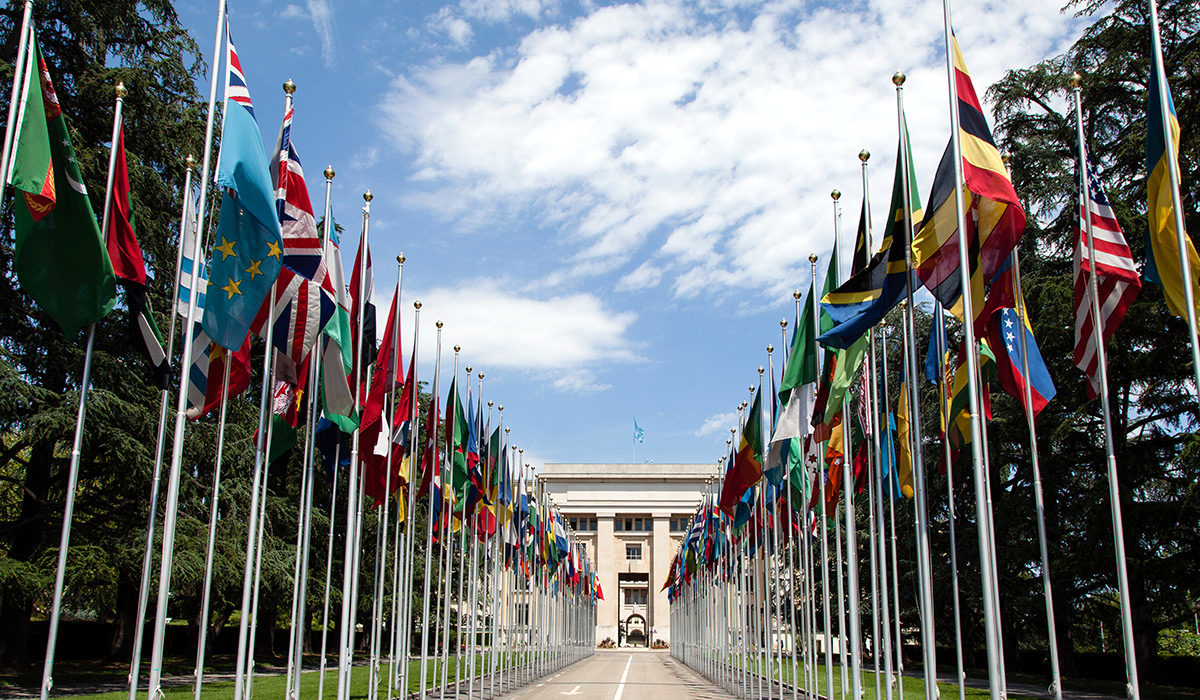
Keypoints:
(248, 246)
(638, 433)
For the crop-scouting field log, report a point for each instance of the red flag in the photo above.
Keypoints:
(239, 376)
(123, 248)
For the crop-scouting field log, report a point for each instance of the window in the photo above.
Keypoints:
(680, 524)
(632, 525)
(635, 596)
(633, 551)
(582, 524)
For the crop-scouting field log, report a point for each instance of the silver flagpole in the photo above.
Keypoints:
(328, 572)
(210, 558)
(1131, 670)
(160, 444)
(253, 528)
(787, 478)
(410, 511)
(939, 329)
(171, 507)
(426, 628)
(990, 623)
(850, 514)
(18, 85)
(448, 545)
(824, 517)
(76, 449)
(345, 627)
(884, 425)
(259, 541)
(327, 231)
(1186, 275)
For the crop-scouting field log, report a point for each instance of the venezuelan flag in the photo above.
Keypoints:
(1162, 249)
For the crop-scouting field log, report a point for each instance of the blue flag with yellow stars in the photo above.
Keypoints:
(248, 247)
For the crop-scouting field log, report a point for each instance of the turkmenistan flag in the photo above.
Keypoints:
(60, 257)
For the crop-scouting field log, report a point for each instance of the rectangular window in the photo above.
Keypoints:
(574, 523)
(633, 551)
(637, 524)
(591, 524)
(635, 596)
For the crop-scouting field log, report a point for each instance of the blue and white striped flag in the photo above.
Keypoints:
(187, 266)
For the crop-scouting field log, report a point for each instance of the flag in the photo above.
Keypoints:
(863, 300)
(798, 386)
(995, 220)
(1162, 245)
(901, 424)
(301, 244)
(839, 367)
(337, 357)
(1010, 366)
(207, 374)
(835, 457)
(638, 433)
(187, 266)
(130, 269)
(59, 257)
(248, 258)
(1117, 279)
(959, 432)
(300, 309)
(747, 465)
(362, 309)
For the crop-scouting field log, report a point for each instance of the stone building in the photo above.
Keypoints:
(631, 518)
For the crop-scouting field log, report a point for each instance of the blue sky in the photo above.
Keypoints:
(609, 204)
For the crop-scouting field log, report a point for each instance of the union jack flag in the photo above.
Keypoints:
(301, 310)
(301, 245)
(235, 81)
(1117, 279)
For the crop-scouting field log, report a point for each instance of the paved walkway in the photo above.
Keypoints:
(623, 675)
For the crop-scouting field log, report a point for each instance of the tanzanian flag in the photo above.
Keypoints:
(864, 299)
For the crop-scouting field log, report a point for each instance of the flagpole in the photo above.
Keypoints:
(171, 507)
(1131, 669)
(81, 415)
(259, 540)
(837, 220)
(880, 414)
(209, 559)
(327, 227)
(18, 82)
(1185, 270)
(414, 465)
(345, 631)
(826, 615)
(850, 514)
(990, 623)
(925, 570)
(426, 575)
(160, 444)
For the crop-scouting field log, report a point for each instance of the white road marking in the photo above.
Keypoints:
(625, 675)
(574, 691)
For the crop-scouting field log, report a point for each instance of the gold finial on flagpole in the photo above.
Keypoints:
(783, 323)
(190, 161)
(760, 372)
(836, 194)
(417, 304)
(439, 325)
(501, 407)
(771, 348)
(812, 258)
(864, 155)
(120, 90)
(490, 404)
(899, 78)
(468, 366)
(1006, 157)
(329, 173)
(367, 196)
(289, 87)
(1075, 80)
(400, 258)
(481, 375)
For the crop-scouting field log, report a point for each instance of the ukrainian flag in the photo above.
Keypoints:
(1162, 250)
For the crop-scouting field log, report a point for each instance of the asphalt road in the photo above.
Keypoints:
(623, 675)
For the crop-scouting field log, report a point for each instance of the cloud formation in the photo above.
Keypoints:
(691, 145)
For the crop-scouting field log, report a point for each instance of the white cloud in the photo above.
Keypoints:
(567, 340)
(719, 422)
(453, 26)
(321, 12)
(703, 139)
(293, 12)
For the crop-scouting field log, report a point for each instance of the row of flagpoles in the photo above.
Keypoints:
(757, 581)
(521, 597)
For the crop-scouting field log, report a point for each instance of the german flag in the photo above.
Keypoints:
(994, 217)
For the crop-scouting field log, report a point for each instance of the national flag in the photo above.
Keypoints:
(901, 424)
(207, 374)
(1162, 244)
(839, 367)
(187, 266)
(1117, 282)
(130, 269)
(246, 261)
(835, 457)
(797, 388)
(59, 256)
(959, 410)
(863, 300)
(1005, 339)
(376, 432)
(337, 356)
(301, 244)
(362, 309)
(747, 465)
(638, 433)
(995, 221)
(299, 310)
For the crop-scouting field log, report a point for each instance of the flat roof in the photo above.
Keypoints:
(563, 471)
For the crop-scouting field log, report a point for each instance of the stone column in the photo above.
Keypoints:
(660, 608)
(606, 569)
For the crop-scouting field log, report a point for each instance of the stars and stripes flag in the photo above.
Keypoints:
(1117, 281)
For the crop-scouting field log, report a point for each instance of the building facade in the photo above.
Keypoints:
(631, 518)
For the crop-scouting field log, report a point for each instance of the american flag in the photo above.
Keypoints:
(1118, 283)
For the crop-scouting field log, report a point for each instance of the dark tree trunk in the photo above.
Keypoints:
(27, 536)
(125, 620)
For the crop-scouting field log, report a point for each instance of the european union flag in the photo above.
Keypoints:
(248, 247)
